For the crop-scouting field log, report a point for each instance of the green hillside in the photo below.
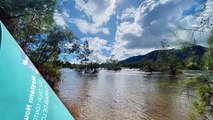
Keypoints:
(186, 58)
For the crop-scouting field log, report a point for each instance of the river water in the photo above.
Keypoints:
(124, 95)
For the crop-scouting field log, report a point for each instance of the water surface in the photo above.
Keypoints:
(124, 95)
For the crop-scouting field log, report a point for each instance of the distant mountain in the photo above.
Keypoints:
(182, 54)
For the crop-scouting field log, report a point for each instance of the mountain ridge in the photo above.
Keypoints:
(183, 54)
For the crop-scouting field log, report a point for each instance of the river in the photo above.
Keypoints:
(128, 94)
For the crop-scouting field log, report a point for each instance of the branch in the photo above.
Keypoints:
(50, 55)
(12, 17)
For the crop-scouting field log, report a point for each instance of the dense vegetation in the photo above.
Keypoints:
(203, 87)
(80, 67)
(31, 24)
(110, 64)
(158, 60)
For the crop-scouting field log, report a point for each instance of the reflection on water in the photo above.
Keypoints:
(127, 94)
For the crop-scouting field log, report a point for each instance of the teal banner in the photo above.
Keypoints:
(25, 95)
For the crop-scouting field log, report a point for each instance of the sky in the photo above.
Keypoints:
(125, 28)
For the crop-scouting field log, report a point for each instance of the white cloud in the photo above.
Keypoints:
(66, 14)
(59, 19)
(99, 10)
(120, 52)
(128, 13)
(98, 13)
(141, 29)
(86, 27)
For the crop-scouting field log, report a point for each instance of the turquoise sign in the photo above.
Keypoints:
(25, 95)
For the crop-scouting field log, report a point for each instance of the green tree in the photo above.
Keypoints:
(209, 55)
(45, 50)
(170, 60)
(16, 14)
(160, 64)
(84, 53)
(32, 25)
(203, 85)
(112, 64)
(148, 66)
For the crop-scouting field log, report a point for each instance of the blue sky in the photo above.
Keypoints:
(124, 28)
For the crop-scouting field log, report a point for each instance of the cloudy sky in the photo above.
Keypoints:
(125, 28)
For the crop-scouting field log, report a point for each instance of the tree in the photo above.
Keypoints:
(32, 25)
(209, 55)
(45, 50)
(148, 66)
(203, 85)
(160, 64)
(83, 53)
(171, 61)
(18, 13)
(112, 64)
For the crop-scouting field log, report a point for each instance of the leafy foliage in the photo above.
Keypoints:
(170, 60)
(209, 55)
(84, 52)
(45, 50)
(32, 25)
(203, 87)
(112, 64)
(33, 15)
(148, 66)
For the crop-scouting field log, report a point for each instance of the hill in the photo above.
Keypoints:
(181, 54)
